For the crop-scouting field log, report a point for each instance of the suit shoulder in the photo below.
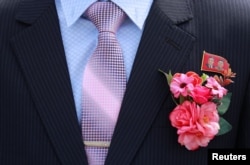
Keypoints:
(8, 5)
(8, 9)
(222, 11)
(239, 8)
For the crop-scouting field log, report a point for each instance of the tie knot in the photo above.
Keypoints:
(106, 16)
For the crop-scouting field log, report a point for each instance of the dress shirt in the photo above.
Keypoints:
(79, 37)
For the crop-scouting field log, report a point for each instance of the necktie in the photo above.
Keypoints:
(104, 82)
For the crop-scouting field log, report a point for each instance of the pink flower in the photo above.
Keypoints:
(209, 119)
(201, 94)
(217, 89)
(196, 125)
(181, 84)
(183, 115)
(193, 141)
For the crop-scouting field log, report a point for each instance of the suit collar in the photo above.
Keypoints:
(178, 11)
(30, 10)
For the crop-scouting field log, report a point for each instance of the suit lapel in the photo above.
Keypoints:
(40, 53)
(163, 46)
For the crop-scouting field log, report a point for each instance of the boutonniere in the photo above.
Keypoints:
(201, 101)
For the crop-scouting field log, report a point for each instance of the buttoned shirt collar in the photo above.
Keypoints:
(136, 10)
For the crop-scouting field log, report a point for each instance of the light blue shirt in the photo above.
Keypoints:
(79, 36)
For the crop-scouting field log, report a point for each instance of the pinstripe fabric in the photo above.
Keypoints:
(35, 86)
(40, 96)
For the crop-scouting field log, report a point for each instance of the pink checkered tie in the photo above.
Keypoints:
(104, 82)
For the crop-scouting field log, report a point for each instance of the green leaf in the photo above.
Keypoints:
(168, 76)
(225, 102)
(204, 77)
(224, 126)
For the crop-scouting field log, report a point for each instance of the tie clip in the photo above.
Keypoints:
(97, 143)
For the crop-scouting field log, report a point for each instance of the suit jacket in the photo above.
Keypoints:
(38, 123)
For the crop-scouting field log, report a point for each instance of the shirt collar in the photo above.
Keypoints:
(137, 10)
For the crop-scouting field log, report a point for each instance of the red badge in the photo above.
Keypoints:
(214, 63)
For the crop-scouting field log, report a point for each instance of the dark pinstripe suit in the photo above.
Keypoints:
(38, 123)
